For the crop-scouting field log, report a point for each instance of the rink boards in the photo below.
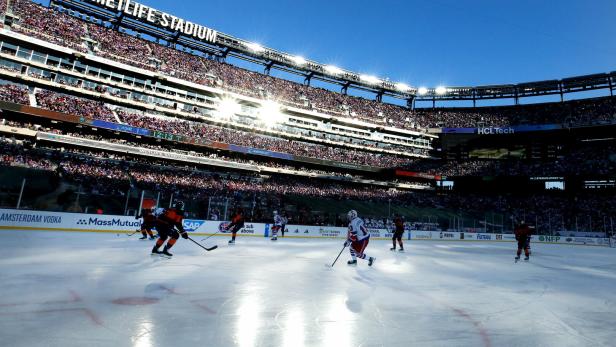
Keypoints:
(78, 222)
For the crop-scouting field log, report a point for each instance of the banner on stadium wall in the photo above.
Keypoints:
(42, 220)
(115, 126)
(62, 221)
(212, 227)
(420, 235)
(502, 130)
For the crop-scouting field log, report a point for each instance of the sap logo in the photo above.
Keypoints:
(495, 131)
(499, 237)
(447, 236)
(569, 239)
(484, 237)
(192, 224)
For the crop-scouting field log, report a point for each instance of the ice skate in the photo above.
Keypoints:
(371, 261)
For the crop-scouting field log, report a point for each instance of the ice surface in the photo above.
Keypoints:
(86, 289)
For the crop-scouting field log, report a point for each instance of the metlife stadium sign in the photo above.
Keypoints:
(158, 18)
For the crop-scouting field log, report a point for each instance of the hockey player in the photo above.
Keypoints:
(398, 232)
(237, 223)
(277, 225)
(167, 221)
(149, 222)
(358, 238)
(523, 235)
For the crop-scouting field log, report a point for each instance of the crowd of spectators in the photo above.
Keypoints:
(124, 47)
(577, 159)
(570, 113)
(2, 7)
(14, 93)
(242, 138)
(550, 212)
(14, 154)
(48, 25)
(264, 164)
(74, 105)
(98, 110)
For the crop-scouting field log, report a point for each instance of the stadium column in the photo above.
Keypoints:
(21, 193)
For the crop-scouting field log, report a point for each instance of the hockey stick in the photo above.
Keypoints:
(198, 244)
(133, 233)
(339, 254)
(210, 236)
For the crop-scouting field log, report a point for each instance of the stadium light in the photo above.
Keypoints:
(422, 91)
(440, 90)
(333, 70)
(227, 108)
(403, 87)
(270, 113)
(370, 79)
(299, 60)
(255, 47)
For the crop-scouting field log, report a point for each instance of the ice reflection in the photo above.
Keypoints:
(293, 328)
(143, 336)
(248, 323)
(337, 325)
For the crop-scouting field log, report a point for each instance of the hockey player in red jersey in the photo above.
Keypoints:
(237, 223)
(398, 232)
(523, 235)
(149, 222)
(358, 238)
(167, 221)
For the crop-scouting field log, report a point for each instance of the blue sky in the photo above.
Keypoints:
(426, 43)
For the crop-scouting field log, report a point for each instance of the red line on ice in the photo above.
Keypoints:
(482, 331)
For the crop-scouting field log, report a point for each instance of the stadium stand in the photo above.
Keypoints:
(175, 91)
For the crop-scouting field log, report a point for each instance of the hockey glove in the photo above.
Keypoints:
(184, 235)
(347, 243)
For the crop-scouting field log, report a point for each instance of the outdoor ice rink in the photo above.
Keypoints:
(91, 289)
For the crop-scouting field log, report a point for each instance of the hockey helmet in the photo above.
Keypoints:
(352, 215)
(179, 205)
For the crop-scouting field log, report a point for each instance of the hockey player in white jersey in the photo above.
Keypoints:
(358, 239)
(278, 222)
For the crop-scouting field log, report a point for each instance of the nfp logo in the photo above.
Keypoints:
(549, 238)
(192, 224)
